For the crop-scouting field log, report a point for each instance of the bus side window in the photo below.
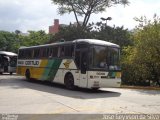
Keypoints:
(45, 52)
(62, 51)
(55, 51)
(36, 53)
(72, 50)
(68, 51)
(21, 54)
(50, 52)
(42, 52)
(27, 54)
(30, 54)
(84, 59)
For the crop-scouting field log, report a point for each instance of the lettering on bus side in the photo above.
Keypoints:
(100, 73)
(20, 62)
(34, 63)
(29, 63)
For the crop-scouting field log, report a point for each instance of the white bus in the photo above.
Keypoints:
(8, 61)
(86, 63)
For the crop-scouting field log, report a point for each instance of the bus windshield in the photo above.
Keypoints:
(105, 58)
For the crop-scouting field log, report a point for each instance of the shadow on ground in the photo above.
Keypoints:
(48, 87)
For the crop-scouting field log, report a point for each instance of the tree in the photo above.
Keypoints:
(12, 41)
(84, 8)
(34, 38)
(117, 35)
(7, 41)
(143, 58)
(70, 33)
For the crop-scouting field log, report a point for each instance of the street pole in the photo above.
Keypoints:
(105, 19)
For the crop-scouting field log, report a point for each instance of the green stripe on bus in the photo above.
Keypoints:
(51, 70)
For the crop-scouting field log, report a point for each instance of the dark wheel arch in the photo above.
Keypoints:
(28, 74)
(69, 81)
(95, 89)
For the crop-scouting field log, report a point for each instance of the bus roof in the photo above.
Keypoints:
(90, 41)
(7, 53)
(97, 42)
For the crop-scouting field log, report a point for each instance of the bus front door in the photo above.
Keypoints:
(83, 66)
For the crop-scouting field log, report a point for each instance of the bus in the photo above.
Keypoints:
(86, 63)
(8, 61)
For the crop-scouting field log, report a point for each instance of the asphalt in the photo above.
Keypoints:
(18, 96)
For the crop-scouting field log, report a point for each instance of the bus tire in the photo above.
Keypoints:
(28, 75)
(11, 73)
(1, 73)
(69, 81)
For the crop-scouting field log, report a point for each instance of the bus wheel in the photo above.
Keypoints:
(28, 75)
(11, 73)
(1, 73)
(69, 81)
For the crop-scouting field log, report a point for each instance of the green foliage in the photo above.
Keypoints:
(142, 60)
(34, 38)
(70, 33)
(12, 41)
(7, 41)
(85, 8)
(117, 35)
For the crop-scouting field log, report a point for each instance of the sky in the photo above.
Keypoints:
(37, 15)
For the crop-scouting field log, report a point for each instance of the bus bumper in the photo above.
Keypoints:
(104, 83)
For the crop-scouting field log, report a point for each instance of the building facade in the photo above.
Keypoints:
(55, 27)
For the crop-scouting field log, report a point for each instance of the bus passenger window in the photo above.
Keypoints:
(36, 53)
(28, 54)
(72, 50)
(68, 52)
(54, 51)
(45, 52)
(62, 52)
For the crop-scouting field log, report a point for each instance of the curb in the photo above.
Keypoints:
(140, 87)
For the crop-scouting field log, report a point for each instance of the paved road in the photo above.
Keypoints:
(20, 96)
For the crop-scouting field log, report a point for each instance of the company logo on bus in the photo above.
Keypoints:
(67, 63)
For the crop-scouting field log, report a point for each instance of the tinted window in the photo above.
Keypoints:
(45, 52)
(53, 51)
(62, 50)
(36, 53)
(28, 53)
(20, 55)
(69, 50)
